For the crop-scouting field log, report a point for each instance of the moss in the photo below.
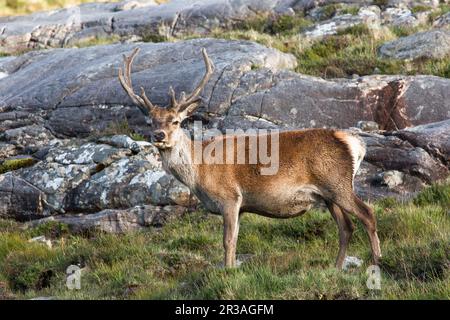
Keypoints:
(137, 137)
(154, 37)
(353, 10)
(420, 8)
(97, 41)
(15, 164)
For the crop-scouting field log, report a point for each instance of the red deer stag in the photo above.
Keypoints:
(314, 165)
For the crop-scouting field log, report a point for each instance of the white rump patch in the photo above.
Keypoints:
(357, 150)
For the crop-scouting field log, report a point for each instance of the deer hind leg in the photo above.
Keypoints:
(345, 227)
(354, 205)
(230, 233)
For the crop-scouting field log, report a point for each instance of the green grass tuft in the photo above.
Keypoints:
(328, 11)
(353, 10)
(97, 41)
(435, 194)
(420, 8)
(50, 229)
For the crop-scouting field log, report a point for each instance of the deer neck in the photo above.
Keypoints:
(178, 161)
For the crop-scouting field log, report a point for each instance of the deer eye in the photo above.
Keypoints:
(176, 123)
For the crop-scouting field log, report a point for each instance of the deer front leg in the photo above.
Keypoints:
(230, 233)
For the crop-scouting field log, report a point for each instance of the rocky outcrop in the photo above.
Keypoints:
(114, 172)
(250, 87)
(145, 19)
(369, 16)
(57, 106)
(70, 26)
(117, 221)
(428, 44)
(294, 100)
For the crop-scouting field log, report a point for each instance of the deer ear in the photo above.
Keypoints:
(190, 109)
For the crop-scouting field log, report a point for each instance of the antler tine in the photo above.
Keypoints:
(194, 95)
(125, 80)
(173, 98)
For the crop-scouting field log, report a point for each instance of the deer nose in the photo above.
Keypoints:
(159, 136)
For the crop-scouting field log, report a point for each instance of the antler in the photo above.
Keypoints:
(193, 97)
(143, 102)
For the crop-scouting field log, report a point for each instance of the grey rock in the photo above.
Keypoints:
(7, 150)
(123, 141)
(368, 126)
(351, 262)
(434, 138)
(86, 92)
(389, 152)
(412, 3)
(442, 21)
(19, 199)
(369, 16)
(427, 44)
(237, 95)
(400, 17)
(43, 240)
(392, 178)
(118, 221)
(69, 26)
(290, 100)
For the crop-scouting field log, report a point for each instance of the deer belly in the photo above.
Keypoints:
(285, 203)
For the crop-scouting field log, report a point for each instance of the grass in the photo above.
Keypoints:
(97, 41)
(119, 128)
(352, 51)
(289, 259)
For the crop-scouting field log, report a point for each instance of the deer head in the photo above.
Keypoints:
(166, 121)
